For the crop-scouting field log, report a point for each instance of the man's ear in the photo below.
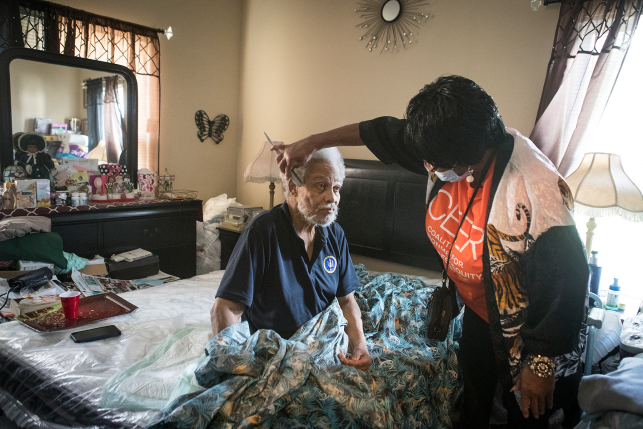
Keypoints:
(292, 188)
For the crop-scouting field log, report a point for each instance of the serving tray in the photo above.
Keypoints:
(90, 309)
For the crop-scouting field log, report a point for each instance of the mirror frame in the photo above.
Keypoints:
(6, 131)
(399, 12)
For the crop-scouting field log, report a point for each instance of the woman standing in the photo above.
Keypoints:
(516, 258)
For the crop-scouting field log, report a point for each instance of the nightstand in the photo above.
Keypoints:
(228, 238)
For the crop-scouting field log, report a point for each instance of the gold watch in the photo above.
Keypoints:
(542, 366)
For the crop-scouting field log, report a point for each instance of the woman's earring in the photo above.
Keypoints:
(470, 178)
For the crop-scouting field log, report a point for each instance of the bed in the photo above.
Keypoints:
(46, 380)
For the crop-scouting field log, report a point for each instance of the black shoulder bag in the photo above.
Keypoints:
(443, 305)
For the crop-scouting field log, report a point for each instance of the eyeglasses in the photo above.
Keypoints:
(441, 166)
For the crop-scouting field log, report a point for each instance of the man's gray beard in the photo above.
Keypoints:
(305, 213)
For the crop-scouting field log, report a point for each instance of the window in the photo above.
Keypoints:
(617, 240)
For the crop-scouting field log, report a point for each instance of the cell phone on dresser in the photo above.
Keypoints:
(95, 334)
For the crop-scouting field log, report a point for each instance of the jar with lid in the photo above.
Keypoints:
(83, 199)
(61, 200)
(75, 199)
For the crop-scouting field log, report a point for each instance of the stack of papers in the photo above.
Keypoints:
(132, 255)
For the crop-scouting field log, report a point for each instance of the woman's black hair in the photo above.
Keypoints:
(453, 121)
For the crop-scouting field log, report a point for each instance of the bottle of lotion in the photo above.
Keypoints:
(612, 296)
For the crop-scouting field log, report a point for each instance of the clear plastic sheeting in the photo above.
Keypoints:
(48, 381)
(208, 246)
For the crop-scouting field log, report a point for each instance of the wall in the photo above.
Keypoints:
(305, 71)
(200, 69)
(43, 91)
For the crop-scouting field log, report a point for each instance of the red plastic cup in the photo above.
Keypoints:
(69, 301)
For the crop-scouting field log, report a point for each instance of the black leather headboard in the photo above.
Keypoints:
(382, 211)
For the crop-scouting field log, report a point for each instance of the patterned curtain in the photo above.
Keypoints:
(60, 29)
(592, 39)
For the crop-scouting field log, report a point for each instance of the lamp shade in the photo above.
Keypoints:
(600, 188)
(263, 167)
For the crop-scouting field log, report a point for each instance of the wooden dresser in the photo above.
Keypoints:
(165, 228)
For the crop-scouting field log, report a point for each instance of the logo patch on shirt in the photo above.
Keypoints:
(330, 264)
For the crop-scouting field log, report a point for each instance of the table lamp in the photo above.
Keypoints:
(600, 187)
(264, 168)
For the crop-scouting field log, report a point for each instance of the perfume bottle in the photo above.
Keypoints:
(9, 197)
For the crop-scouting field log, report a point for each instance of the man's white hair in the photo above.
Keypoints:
(329, 155)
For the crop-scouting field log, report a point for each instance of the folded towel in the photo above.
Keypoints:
(15, 227)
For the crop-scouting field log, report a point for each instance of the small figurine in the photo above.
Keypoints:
(99, 186)
(129, 186)
(119, 188)
(34, 160)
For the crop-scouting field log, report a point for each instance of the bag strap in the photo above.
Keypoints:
(464, 216)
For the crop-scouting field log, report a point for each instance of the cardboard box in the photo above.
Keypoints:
(33, 265)
(26, 193)
(80, 164)
(43, 193)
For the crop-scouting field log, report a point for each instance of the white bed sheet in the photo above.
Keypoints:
(85, 368)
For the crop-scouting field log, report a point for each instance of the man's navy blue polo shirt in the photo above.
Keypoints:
(269, 271)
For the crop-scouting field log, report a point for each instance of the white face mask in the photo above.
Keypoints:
(450, 175)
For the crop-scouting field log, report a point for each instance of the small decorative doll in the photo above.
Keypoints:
(110, 184)
(118, 185)
(129, 186)
(99, 186)
(34, 160)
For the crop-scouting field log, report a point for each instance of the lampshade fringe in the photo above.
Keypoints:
(263, 179)
(608, 212)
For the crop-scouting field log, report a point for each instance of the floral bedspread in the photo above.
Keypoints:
(263, 380)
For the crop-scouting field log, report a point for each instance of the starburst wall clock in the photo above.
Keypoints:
(389, 24)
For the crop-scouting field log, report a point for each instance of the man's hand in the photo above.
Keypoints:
(360, 359)
(355, 331)
(535, 392)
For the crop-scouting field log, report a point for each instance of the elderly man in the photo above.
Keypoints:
(291, 262)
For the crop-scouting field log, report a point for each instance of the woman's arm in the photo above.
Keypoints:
(297, 154)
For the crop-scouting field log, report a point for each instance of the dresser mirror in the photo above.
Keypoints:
(87, 108)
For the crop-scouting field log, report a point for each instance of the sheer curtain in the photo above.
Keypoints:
(95, 112)
(114, 123)
(592, 39)
(60, 29)
(617, 240)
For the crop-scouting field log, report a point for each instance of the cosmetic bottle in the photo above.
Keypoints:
(75, 199)
(613, 295)
(83, 199)
(61, 200)
(594, 273)
(9, 200)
